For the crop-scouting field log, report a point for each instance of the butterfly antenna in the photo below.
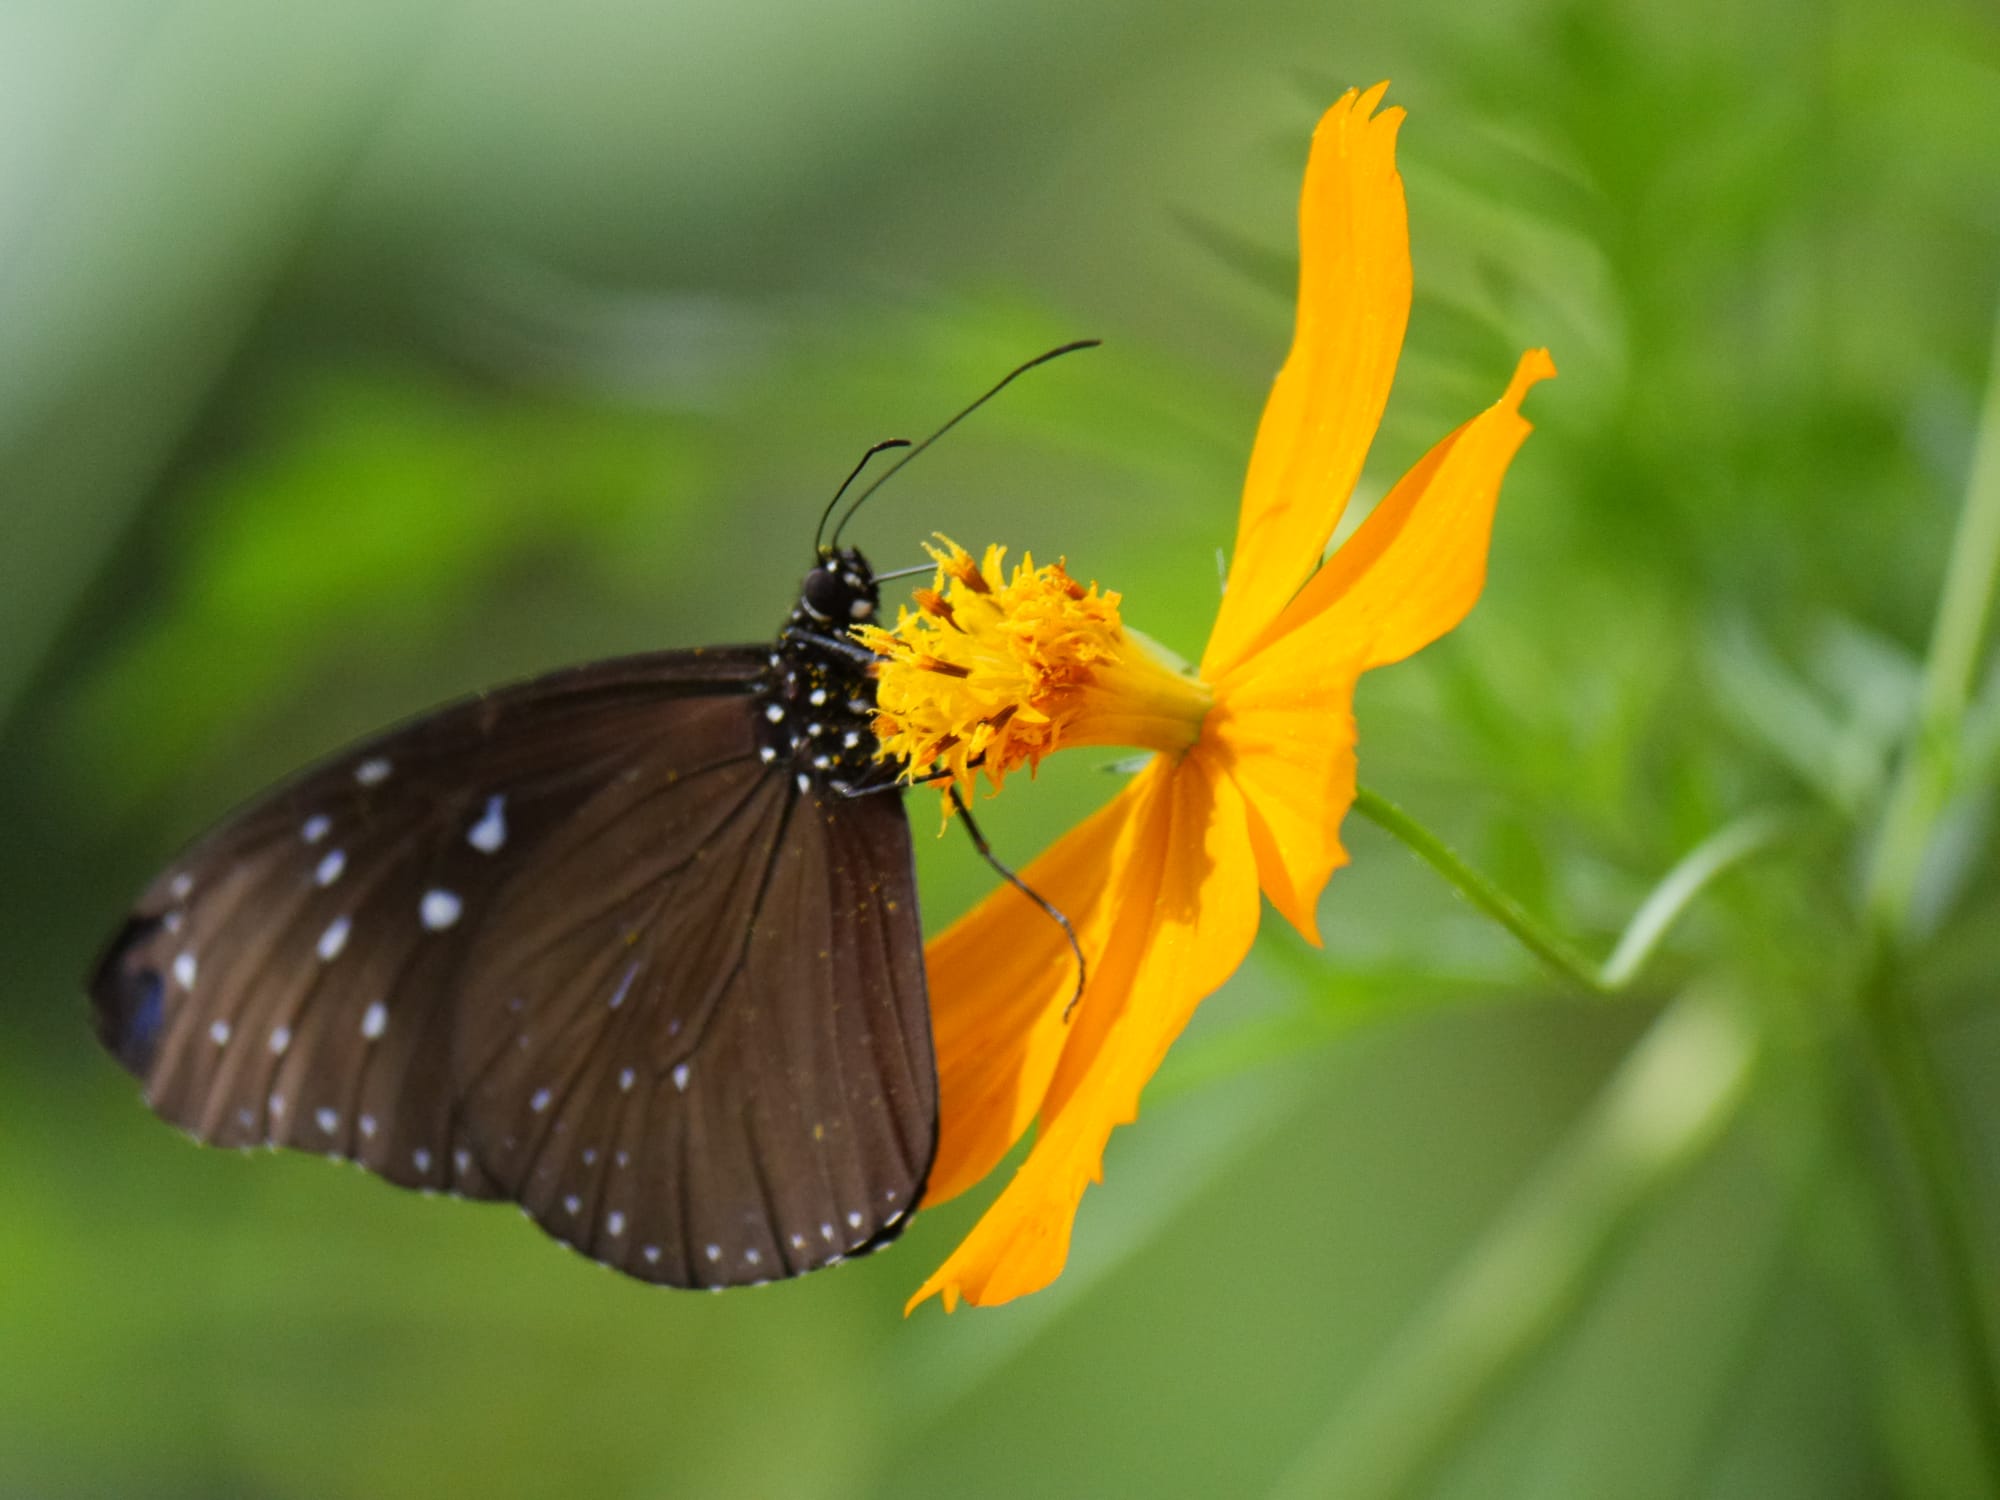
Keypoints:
(1049, 908)
(824, 516)
(1006, 380)
(895, 573)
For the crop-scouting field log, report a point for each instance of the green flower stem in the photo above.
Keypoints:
(1719, 853)
(1927, 775)
(1925, 782)
(1668, 1103)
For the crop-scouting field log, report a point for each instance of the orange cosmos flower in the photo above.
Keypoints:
(1254, 762)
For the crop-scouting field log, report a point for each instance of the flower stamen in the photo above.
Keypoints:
(994, 670)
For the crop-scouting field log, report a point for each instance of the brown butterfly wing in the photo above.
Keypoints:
(352, 964)
(717, 1070)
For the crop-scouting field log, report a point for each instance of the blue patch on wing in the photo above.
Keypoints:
(128, 994)
(142, 1026)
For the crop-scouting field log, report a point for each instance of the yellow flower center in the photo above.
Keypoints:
(991, 671)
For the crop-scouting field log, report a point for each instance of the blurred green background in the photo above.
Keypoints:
(354, 355)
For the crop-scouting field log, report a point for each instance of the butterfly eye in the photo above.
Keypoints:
(839, 591)
(824, 593)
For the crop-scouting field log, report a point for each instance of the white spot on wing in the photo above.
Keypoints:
(421, 1159)
(540, 1101)
(713, 1252)
(277, 1103)
(681, 1077)
(181, 886)
(626, 1078)
(219, 1033)
(440, 908)
(752, 1257)
(461, 1159)
(330, 867)
(652, 1254)
(368, 1126)
(374, 1020)
(281, 1038)
(615, 1222)
(571, 1204)
(854, 1221)
(333, 939)
(315, 828)
(184, 970)
(328, 1120)
(490, 832)
(625, 984)
(373, 771)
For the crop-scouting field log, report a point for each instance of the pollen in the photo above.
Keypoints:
(994, 670)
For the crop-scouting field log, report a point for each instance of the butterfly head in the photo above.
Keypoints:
(838, 593)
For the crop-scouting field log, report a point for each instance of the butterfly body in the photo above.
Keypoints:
(635, 945)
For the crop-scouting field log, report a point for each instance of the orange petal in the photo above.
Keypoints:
(1416, 565)
(1354, 300)
(1189, 935)
(1283, 725)
(1002, 975)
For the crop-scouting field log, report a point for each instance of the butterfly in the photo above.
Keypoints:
(635, 945)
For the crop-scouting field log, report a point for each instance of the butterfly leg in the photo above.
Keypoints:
(852, 650)
(986, 853)
(895, 783)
